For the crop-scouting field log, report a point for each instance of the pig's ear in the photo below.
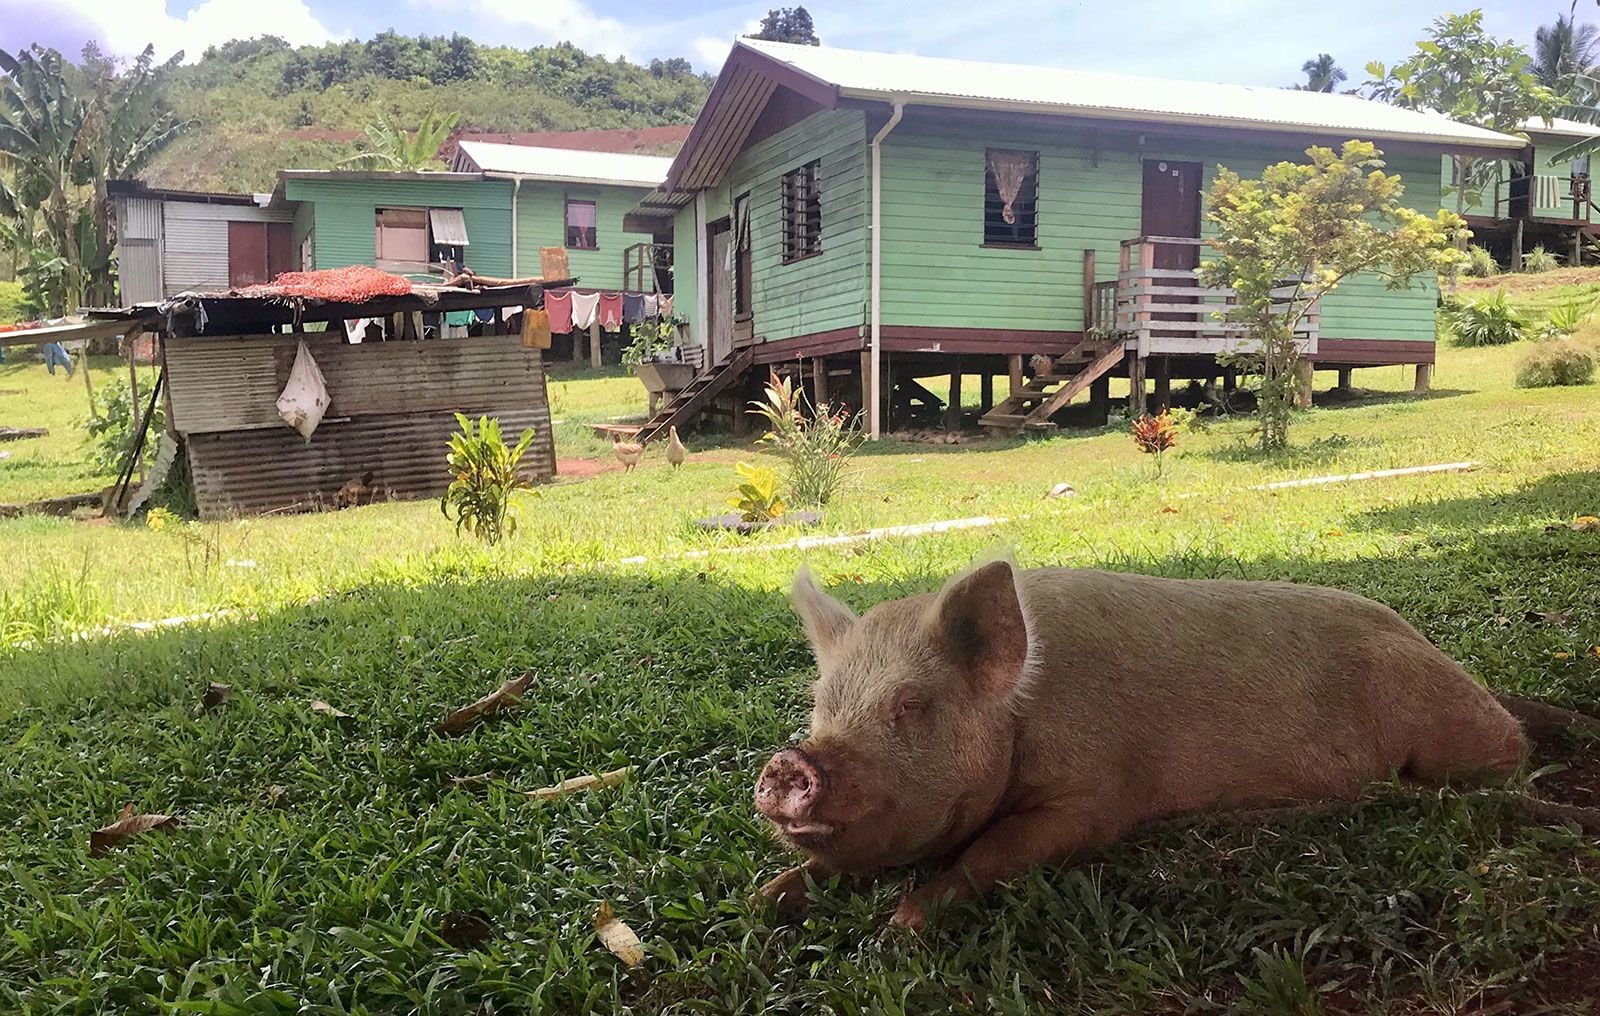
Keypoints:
(826, 620)
(979, 618)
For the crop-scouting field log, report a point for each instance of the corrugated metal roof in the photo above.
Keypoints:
(568, 165)
(978, 85)
(1561, 125)
(449, 226)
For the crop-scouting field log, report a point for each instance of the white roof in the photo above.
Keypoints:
(1560, 125)
(568, 165)
(978, 85)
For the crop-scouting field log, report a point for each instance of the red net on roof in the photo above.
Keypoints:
(352, 284)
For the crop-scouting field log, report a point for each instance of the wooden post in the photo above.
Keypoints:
(1014, 368)
(1230, 380)
(985, 392)
(594, 342)
(866, 385)
(1100, 398)
(1344, 379)
(1163, 372)
(819, 382)
(952, 410)
(1136, 386)
(1577, 248)
(1516, 244)
(132, 339)
(1424, 378)
(1304, 371)
(1088, 289)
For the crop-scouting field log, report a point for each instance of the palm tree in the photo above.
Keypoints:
(392, 147)
(1322, 74)
(1565, 51)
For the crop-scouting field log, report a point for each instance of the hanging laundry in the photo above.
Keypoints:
(666, 305)
(458, 317)
(584, 308)
(611, 311)
(535, 329)
(485, 314)
(652, 306)
(632, 308)
(356, 329)
(558, 303)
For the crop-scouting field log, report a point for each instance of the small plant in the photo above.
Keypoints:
(486, 477)
(114, 425)
(1487, 321)
(1539, 260)
(1155, 434)
(650, 339)
(159, 520)
(816, 445)
(1480, 263)
(1556, 364)
(1565, 318)
(757, 498)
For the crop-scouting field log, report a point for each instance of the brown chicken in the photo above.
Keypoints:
(676, 452)
(627, 452)
(355, 492)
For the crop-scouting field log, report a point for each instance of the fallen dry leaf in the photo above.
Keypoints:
(1562, 656)
(465, 929)
(507, 694)
(1168, 510)
(275, 794)
(216, 694)
(1586, 524)
(1335, 532)
(1555, 617)
(127, 824)
(319, 706)
(610, 779)
(618, 937)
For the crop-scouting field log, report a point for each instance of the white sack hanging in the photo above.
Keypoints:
(305, 397)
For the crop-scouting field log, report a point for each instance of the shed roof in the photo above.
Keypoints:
(832, 76)
(565, 165)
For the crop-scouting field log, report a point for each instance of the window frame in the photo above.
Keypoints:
(593, 201)
(380, 260)
(990, 188)
(801, 205)
(743, 259)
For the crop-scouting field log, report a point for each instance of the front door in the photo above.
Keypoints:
(1170, 206)
(719, 294)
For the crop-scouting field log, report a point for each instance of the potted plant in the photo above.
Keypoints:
(652, 357)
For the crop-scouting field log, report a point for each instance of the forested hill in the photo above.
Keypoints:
(260, 105)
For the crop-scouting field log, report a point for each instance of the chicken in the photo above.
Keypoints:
(1042, 365)
(354, 492)
(627, 452)
(676, 452)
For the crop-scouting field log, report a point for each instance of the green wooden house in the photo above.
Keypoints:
(872, 220)
(1535, 198)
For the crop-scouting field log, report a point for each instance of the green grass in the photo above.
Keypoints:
(693, 669)
(57, 464)
(13, 303)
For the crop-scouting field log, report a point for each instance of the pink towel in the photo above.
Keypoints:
(559, 305)
(611, 311)
(584, 306)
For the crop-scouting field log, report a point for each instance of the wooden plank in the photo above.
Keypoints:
(1112, 356)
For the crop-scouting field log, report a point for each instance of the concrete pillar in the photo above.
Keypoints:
(1344, 379)
(1424, 378)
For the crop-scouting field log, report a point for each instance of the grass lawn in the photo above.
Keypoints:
(319, 862)
(57, 464)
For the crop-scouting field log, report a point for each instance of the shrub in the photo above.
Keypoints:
(1154, 435)
(1555, 364)
(650, 339)
(1487, 321)
(1565, 318)
(815, 445)
(1480, 263)
(114, 426)
(1539, 260)
(486, 477)
(757, 499)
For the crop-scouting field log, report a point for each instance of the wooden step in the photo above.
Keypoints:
(997, 419)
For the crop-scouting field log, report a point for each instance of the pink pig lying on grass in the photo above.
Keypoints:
(1023, 717)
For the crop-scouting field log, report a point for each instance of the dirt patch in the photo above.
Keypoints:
(1522, 283)
(578, 469)
(1577, 784)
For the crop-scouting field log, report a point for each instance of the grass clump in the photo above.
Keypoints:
(1539, 261)
(1487, 321)
(1480, 263)
(1556, 364)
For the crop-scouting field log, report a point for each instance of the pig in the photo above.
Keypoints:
(1024, 717)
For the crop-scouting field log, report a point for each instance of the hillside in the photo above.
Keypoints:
(260, 105)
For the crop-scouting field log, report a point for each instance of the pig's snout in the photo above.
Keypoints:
(787, 791)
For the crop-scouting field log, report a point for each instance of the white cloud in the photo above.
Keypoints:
(127, 26)
(553, 21)
(710, 51)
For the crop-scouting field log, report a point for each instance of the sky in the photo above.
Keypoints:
(1245, 41)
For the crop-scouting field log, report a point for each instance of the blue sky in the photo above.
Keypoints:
(1248, 41)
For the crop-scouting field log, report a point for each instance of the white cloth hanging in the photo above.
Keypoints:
(584, 308)
(652, 305)
(356, 329)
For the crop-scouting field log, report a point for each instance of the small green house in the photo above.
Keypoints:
(872, 219)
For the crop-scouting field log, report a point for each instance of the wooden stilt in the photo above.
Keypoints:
(819, 382)
(1163, 372)
(952, 409)
(1100, 399)
(1424, 378)
(1230, 379)
(594, 343)
(1577, 249)
(1014, 368)
(1304, 372)
(577, 346)
(1516, 245)
(985, 392)
(1344, 378)
(866, 384)
(1136, 404)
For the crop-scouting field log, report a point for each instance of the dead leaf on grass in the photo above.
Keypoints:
(216, 695)
(1556, 617)
(127, 824)
(465, 929)
(509, 693)
(1585, 524)
(275, 794)
(577, 783)
(319, 706)
(618, 937)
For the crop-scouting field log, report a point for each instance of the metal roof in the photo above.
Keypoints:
(1561, 125)
(565, 165)
(995, 86)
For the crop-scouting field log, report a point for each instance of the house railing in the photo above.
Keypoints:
(1547, 196)
(647, 268)
(1166, 311)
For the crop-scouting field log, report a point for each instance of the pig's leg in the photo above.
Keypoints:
(1004, 851)
(787, 892)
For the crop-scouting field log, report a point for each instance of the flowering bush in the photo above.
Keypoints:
(816, 446)
(1155, 434)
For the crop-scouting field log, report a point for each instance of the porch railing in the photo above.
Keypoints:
(1167, 311)
(647, 268)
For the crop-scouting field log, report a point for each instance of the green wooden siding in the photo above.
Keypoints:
(542, 222)
(344, 212)
(685, 256)
(823, 292)
(1545, 147)
(936, 273)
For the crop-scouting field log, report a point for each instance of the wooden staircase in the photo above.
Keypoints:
(1031, 406)
(692, 400)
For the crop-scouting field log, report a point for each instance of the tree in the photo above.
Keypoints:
(1564, 52)
(1286, 239)
(1462, 71)
(392, 147)
(788, 24)
(1322, 74)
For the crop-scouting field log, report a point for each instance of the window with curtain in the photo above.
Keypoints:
(401, 240)
(1011, 198)
(741, 255)
(583, 224)
(802, 212)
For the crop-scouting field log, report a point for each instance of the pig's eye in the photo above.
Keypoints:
(906, 709)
